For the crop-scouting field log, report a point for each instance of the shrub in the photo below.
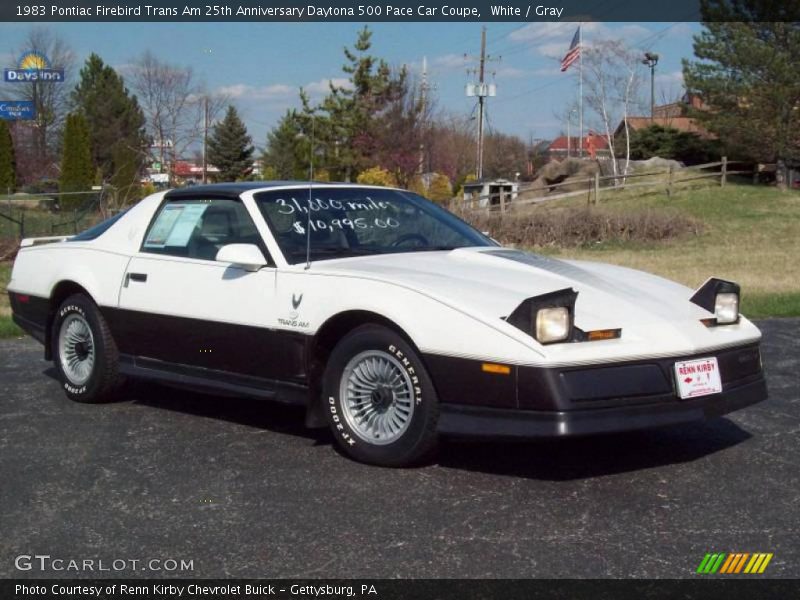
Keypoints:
(376, 176)
(583, 227)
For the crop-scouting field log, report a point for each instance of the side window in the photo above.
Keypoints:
(199, 228)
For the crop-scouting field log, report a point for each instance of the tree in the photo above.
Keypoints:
(76, 161)
(402, 130)
(8, 162)
(667, 142)
(612, 77)
(114, 119)
(746, 73)
(439, 189)
(285, 152)
(504, 156)
(376, 176)
(175, 106)
(344, 124)
(37, 151)
(230, 147)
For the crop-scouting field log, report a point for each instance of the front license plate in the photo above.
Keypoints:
(698, 377)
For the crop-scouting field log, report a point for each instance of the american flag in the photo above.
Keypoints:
(574, 51)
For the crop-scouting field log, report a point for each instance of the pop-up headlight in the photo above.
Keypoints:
(721, 298)
(549, 318)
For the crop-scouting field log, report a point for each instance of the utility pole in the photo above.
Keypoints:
(423, 113)
(481, 100)
(482, 91)
(205, 139)
(580, 91)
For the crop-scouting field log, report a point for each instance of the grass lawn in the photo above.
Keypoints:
(751, 236)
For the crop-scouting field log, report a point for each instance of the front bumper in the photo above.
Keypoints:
(481, 421)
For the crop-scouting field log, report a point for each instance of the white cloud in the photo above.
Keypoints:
(553, 49)
(449, 61)
(536, 32)
(553, 39)
(278, 91)
(323, 86)
(675, 77)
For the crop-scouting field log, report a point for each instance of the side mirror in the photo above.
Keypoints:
(247, 256)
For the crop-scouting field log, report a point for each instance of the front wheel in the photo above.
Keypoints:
(84, 352)
(380, 401)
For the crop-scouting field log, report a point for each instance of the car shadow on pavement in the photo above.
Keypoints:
(260, 414)
(580, 458)
(547, 459)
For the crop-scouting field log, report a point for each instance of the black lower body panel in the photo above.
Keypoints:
(210, 381)
(514, 423)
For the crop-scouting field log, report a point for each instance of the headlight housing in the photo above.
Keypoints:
(726, 307)
(549, 318)
(721, 298)
(552, 324)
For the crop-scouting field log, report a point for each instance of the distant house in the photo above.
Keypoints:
(563, 147)
(191, 172)
(487, 192)
(671, 115)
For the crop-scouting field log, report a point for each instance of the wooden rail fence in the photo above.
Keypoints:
(599, 185)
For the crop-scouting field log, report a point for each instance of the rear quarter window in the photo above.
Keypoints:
(96, 231)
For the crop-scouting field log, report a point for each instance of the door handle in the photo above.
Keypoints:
(141, 277)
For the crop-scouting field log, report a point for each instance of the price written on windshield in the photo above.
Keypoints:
(315, 225)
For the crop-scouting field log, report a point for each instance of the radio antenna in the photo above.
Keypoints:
(310, 190)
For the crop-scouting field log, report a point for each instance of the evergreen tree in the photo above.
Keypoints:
(125, 179)
(8, 163)
(115, 120)
(667, 142)
(230, 148)
(345, 124)
(76, 162)
(747, 74)
(286, 153)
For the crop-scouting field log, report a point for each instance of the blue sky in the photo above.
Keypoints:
(262, 65)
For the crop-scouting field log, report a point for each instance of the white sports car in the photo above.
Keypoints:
(387, 317)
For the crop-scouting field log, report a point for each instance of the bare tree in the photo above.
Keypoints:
(568, 116)
(612, 80)
(451, 149)
(403, 131)
(50, 99)
(176, 106)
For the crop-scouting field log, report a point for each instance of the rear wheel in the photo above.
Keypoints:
(84, 352)
(379, 398)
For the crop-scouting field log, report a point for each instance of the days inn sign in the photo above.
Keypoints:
(33, 66)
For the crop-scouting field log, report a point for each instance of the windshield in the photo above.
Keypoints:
(351, 221)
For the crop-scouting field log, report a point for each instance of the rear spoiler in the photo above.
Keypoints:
(38, 241)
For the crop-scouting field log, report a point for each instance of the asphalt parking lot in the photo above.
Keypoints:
(243, 490)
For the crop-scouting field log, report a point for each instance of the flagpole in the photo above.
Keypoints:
(580, 92)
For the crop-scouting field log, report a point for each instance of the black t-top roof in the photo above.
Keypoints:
(234, 190)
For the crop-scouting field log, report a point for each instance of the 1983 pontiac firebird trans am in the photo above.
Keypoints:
(390, 319)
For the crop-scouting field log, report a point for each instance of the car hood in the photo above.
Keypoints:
(491, 282)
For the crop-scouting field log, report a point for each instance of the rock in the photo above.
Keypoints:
(569, 170)
(656, 163)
